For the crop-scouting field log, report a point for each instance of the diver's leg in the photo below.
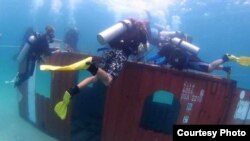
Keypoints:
(105, 77)
(100, 74)
(23, 68)
(199, 66)
(113, 60)
(97, 73)
(216, 65)
(86, 81)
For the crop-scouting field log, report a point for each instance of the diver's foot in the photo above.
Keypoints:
(229, 57)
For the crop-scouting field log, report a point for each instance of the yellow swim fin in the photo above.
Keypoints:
(244, 61)
(62, 106)
(83, 64)
(61, 110)
(232, 57)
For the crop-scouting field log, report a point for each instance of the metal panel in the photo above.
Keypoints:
(239, 110)
(60, 81)
(204, 99)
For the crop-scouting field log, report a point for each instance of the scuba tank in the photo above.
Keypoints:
(110, 33)
(185, 45)
(23, 53)
(179, 39)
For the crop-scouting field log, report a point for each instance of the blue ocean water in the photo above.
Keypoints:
(217, 27)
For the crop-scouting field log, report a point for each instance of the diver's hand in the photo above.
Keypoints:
(57, 51)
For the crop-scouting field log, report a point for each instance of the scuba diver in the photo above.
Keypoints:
(71, 39)
(178, 51)
(35, 48)
(123, 39)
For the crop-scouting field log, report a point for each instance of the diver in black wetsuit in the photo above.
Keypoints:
(34, 49)
(180, 58)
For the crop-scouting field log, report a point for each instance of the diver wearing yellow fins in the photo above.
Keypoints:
(124, 39)
(176, 50)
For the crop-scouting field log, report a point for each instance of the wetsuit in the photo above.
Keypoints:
(175, 56)
(37, 48)
(181, 59)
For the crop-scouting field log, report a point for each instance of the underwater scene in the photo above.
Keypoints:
(177, 52)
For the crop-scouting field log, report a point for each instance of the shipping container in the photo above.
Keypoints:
(142, 104)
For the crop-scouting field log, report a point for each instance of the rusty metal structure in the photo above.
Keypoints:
(141, 105)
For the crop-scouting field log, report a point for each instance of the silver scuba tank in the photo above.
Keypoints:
(185, 45)
(23, 53)
(110, 33)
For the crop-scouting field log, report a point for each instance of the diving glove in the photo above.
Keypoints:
(62, 106)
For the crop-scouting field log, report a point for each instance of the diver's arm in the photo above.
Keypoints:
(55, 50)
(49, 52)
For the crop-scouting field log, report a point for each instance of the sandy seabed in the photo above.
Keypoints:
(13, 127)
